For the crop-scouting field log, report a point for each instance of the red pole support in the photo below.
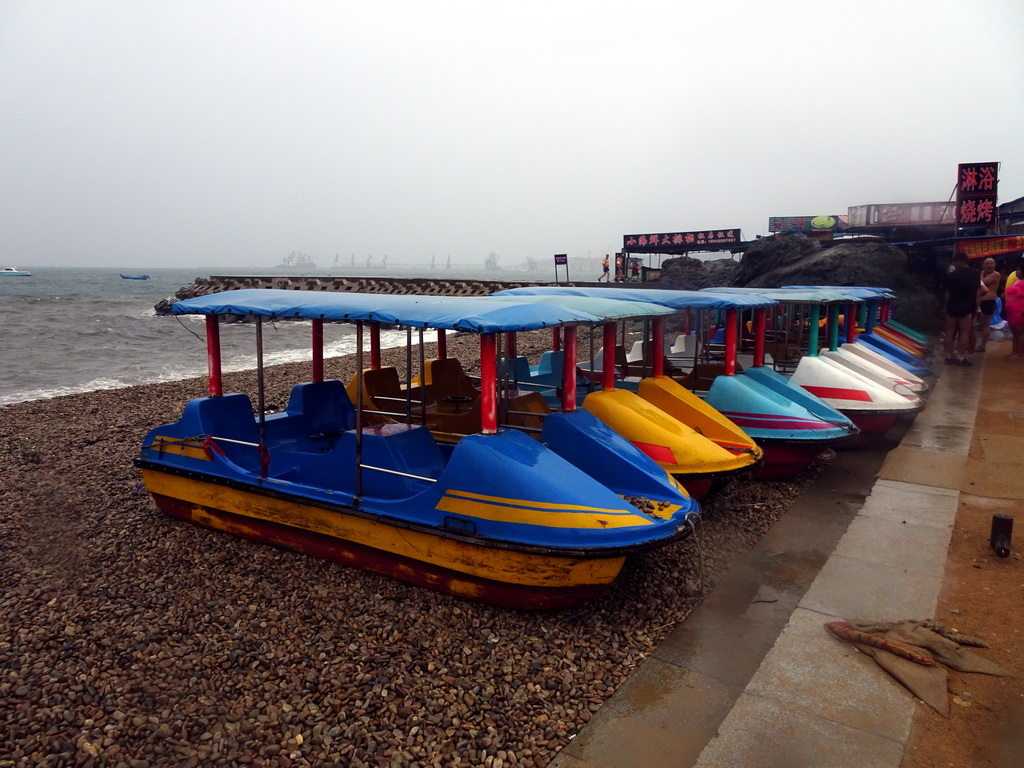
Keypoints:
(442, 344)
(850, 321)
(556, 339)
(318, 350)
(608, 355)
(213, 355)
(510, 341)
(569, 370)
(658, 346)
(730, 342)
(488, 384)
(885, 311)
(375, 346)
(759, 331)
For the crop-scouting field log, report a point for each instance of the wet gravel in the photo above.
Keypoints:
(131, 639)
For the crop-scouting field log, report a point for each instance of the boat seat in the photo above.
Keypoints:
(398, 447)
(316, 410)
(228, 416)
(549, 369)
(700, 378)
(528, 403)
(383, 391)
(518, 370)
(449, 379)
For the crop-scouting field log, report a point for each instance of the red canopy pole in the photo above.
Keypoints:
(608, 374)
(375, 346)
(318, 350)
(658, 346)
(759, 337)
(850, 322)
(442, 344)
(730, 342)
(213, 355)
(885, 311)
(556, 339)
(687, 321)
(569, 370)
(488, 384)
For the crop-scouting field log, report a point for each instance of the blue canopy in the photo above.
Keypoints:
(603, 307)
(861, 291)
(825, 294)
(460, 313)
(666, 298)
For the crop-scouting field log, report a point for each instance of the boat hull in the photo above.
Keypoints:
(534, 580)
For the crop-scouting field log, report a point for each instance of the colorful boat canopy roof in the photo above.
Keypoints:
(795, 295)
(461, 313)
(666, 298)
(863, 291)
(607, 309)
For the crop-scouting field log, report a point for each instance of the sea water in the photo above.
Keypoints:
(66, 330)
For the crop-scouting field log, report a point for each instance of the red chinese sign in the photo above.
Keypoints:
(679, 240)
(991, 246)
(976, 194)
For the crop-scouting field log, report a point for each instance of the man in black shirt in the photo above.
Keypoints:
(963, 289)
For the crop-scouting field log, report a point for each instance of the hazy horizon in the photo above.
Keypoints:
(143, 134)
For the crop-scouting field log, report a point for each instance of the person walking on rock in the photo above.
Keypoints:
(963, 287)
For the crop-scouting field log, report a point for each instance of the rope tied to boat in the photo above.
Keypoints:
(210, 447)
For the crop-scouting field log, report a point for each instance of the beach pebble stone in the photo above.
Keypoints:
(131, 638)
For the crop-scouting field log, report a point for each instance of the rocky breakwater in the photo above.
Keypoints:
(395, 285)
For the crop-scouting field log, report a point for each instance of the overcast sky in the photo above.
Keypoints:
(186, 133)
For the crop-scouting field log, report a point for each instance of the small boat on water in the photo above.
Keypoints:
(135, 277)
(494, 516)
(14, 272)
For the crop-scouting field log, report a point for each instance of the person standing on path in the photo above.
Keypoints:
(604, 269)
(990, 280)
(1013, 310)
(962, 291)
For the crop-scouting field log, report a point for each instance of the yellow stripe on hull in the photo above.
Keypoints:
(501, 510)
(191, 448)
(478, 561)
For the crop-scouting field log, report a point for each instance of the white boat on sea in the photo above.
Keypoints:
(14, 272)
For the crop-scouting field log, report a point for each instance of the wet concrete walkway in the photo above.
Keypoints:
(752, 679)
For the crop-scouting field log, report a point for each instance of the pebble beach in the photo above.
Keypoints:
(128, 638)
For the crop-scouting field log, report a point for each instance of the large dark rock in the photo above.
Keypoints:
(689, 274)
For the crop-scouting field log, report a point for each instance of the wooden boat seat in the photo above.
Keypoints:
(383, 391)
(447, 378)
(527, 403)
(703, 375)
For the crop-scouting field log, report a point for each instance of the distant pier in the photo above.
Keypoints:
(426, 286)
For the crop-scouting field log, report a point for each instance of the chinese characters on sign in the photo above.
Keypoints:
(976, 194)
(679, 240)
